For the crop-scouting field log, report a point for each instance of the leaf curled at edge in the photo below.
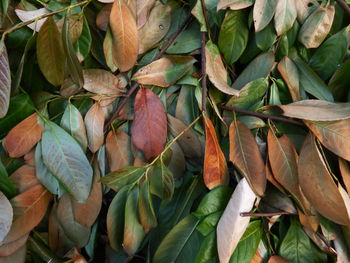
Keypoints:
(245, 155)
(215, 168)
(149, 127)
(5, 80)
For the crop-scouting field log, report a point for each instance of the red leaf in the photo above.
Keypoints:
(149, 128)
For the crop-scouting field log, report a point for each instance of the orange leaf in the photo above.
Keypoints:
(149, 128)
(245, 155)
(23, 137)
(24, 178)
(277, 259)
(8, 249)
(94, 120)
(215, 168)
(125, 37)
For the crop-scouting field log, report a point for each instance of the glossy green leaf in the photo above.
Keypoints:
(298, 248)
(187, 41)
(260, 67)
(208, 252)
(66, 160)
(209, 223)
(161, 181)
(263, 13)
(122, 177)
(233, 35)
(330, 54)
(83, 45)
(145, 208)
(5, 80)
(266, 37)
(50, 52)
(3, 8)
(338, 84)
(6, 186)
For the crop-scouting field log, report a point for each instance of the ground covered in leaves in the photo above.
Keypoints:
(158, 131)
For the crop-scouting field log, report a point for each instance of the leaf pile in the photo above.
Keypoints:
(174, 131)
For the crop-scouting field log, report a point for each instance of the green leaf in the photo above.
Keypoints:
(6, 186)
(5, 80)
(73, 66)
(330, 54)
(338, 84)
(248, 244)
(21, 106)
(83, 45)
(50, 52)
(214, 201)
(161, 181)
(260, 67)
(263, 13)
(266, 37)
(145, 207)
(208, 252)
(180, 243)
(66, 160)
(122, 177)
(233, 36)
(311, 82)
(187, 41)
(133, 230)
(274, 95)
(209, 223)
(286, 14)
(298, 248)
(3, 10)
(115, 219)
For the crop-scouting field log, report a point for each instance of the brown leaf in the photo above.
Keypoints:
(304, 8)
(118, 150)
(86, 214)
(75, 25)
(215, 168)
(101, 81)
(318, 185)
(24, 178)
(234, 4)
(290, 75)
(345, 173)
(124, 32)
(24, 136)
(102, 19)
(94, 121)
(29, 158)
(143, 9)
(245, 155)
(8, 249)
(334, 135)
(271, 178)
(278, 259)
(149, 128)
(29, 208)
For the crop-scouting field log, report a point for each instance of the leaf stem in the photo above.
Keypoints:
(263, 116)
(23, 24)
(136, 85)
(204, 73)
(267, 214)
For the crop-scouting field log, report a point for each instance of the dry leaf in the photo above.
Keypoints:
(285, 16)
(102, 19)
(234, 4)
(345, 173)
(318, 185)
(290, 75)
(10, 248)
(94, 121)
(143, 9)
(232, 225)
(245, 155)
(149, 128)
(24, 136)
(277, 259)
(304, 8)
(5, 80)
(24, 178)
(101, 81)
(263, 12)
(124, 33)
(215, 168)
(118, 150)
(25, 16)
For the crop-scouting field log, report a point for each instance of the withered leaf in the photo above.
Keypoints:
(277, 259)
(102, 19)
(245, 155)
(149, 128)
(24, 136)
(318, 185)
(101, 81)
(345, 173)
(290, 75)
(94, 121)
(24, 178)
(215, 168)
(124, 32)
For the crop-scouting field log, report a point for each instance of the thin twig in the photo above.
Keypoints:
(204, 74)
(23, 24)
(136, 85)
(344, 5)
(261, 115)
(267, 214)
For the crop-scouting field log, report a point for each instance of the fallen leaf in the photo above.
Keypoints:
(94, 121)
(24, 136)
(215, 171)
(5, 216)
(318, 185)
(232, 225)
(245, 155)
(124, 34)
(5, 80)
(149, 128)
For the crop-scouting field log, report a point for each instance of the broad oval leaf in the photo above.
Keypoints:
(234, 4)
(318, 185)
(233, 36)
(102, 18)
(66, 160)
(122, 177)
(94, 121)
(122, 22)
(245, 155)
(149, 127)
(50, 53)
(215, 168)
(101, 81)
(334, 135)
(143, 11)
(290, 75)
(156, 27)
(145, 207)
(5, 80)
(24, 136)
(216, 70)
(316, 110)
(5, 216)
(263, 13)
(232, 225)
(316, 27)
(164, 71)
(83, 45)
(285, 16)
